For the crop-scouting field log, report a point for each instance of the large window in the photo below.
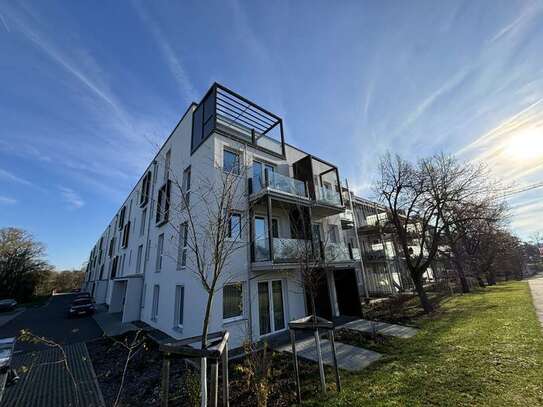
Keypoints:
(120, 219)
(156, 294)
(163, 204)
(234, 226)
(126, 234)
(271, 313)
(183, 244)
(232, 301)
(145, 186)
(230, 162)
(159, 252)
(179, 306)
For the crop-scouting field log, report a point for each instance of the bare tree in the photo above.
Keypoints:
(418, 196)
(210, 218)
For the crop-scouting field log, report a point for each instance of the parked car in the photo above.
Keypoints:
(7, 305)
(84, 295)
(82, 306)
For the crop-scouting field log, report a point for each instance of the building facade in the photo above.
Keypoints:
(143, 268)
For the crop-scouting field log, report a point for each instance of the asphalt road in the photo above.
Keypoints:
(52, 322)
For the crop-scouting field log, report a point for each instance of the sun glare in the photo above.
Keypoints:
(526, 145)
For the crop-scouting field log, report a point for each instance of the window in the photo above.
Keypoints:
(154, 311)
(275, 228)
(143, 295)
(122, 265)
(138, 259)
(147, 250)
(159, 251)
(120, 225)
(259, 175)
(163, 204)
(179, 306)
(230, 162)
(182, 249)
(114, 266)
(111, 247)
(334, 234)
(271, 312)
(232, 301)
(102, 272)
(126, 234)
(143, 217)
(145, 185)
(167, 160)
(234, 226)
(186, 185)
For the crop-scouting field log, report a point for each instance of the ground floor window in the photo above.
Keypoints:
(154, 311)
(232, 301)
(271, 306)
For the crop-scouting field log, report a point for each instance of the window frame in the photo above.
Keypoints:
(183, 245)
(229, 232)
(159, 253)
(179, 310)
(145, 187)
(241, 316)
(237, 154)
(155, 303)
(163, 204)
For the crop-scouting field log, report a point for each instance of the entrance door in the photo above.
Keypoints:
(323, 308)
(271, 313)
(348, 299)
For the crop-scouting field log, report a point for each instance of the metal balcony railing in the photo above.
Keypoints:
(278, 182)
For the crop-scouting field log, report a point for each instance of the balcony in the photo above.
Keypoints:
(328, 197)
(340, 253)
(375, 255)
(277, 184)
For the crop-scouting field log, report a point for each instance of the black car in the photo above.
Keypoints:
(84, 295)
(82, 306)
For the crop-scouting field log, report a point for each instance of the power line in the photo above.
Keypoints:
(523, 189)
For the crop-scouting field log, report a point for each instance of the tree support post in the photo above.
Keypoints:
(165, 381)
(225, 379)
(334, 357)
(321, 364)
(296, 370)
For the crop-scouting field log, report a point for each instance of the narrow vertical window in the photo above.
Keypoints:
(234, 226)
(138, 259)
(179, 306)
(183, 244)
(143, 218)
(159, 251)
(154, 311)
(186, 186)
(167, 164)
(232, 301)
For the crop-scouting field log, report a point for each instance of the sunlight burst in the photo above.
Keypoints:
(525, 145)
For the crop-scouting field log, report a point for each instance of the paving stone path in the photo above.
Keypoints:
(45, 381)
(383, 328)
(349, 357)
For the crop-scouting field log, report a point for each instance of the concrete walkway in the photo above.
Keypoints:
(349, 357)
(383, 328)
(111, 323)
(536, 286)
(45, 381)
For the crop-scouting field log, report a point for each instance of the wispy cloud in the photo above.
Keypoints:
(72, 198)
(6, 200)
(173, 58)
(10, 177)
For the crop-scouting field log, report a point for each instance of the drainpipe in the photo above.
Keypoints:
(249, 219)
(363, 269)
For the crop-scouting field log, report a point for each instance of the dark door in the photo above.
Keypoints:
(322, 299)
(347, 293)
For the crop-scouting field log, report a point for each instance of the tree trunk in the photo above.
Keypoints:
(481, 282)
(461, 276)
(205, 330)
(424, 302)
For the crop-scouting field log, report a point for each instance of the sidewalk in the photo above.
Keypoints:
(536, 286)
(383, 328)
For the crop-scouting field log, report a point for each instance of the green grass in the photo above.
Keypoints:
(484, 348)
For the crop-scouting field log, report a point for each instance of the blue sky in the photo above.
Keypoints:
(88, 89)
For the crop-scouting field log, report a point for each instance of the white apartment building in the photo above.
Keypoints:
(142, 269)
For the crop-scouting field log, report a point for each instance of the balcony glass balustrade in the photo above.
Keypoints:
(329, 196)
(280, 183)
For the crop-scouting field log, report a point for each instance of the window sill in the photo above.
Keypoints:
(233, 320)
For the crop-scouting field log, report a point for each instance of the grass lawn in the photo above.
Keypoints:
(484, 348)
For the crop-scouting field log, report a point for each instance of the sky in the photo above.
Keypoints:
(89, 89)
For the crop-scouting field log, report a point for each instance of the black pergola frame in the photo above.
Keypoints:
(243, 113)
